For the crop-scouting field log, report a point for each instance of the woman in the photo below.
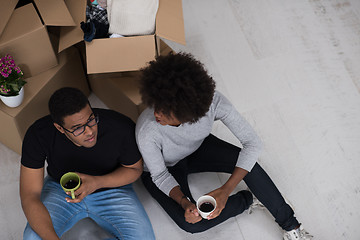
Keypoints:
(173, 135)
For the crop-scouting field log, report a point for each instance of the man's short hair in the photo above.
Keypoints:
(65, 102)
(179, 84)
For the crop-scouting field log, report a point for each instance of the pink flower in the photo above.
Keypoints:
(9, 57)
(18, 70)
(10, 76)
(12, 63)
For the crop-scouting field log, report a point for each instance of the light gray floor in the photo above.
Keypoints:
(292, 69)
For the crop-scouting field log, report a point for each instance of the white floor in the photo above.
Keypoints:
(292, 68)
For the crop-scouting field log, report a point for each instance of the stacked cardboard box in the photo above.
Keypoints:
(102, 55)
(41, 37)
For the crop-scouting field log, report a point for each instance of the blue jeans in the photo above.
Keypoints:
(116, 210)
(216, 155)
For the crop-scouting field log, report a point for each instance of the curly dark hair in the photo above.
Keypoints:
(179, 84)
(65, 102)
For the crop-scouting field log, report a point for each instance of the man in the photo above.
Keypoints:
(173, 135)
(100, 146)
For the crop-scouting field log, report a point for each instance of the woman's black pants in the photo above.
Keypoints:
(216, 155)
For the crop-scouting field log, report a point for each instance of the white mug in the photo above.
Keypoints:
(205, 205)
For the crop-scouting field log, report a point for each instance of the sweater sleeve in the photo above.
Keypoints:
(251, 143)
(150, 149)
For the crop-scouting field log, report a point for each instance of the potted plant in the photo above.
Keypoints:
(11, 82)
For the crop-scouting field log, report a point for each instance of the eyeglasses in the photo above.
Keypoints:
(92, 121)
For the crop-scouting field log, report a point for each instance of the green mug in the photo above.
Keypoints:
(70, 182)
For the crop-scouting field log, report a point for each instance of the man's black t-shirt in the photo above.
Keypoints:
(115, 146)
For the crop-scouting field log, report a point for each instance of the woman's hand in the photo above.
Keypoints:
(191, 213)
(221, 198)
(221, 194)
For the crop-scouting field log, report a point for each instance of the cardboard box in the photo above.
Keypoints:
(27, 40)
(120, 91)
(127, 53)
(15, 121)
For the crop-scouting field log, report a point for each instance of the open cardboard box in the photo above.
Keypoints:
(15, 121)
(127, 53)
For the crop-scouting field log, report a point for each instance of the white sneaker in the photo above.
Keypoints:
(256, 204)
(297, 234)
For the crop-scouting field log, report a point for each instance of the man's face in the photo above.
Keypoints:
(72, 122)
(166, 120)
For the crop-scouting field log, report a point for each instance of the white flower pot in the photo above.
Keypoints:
(13, 101)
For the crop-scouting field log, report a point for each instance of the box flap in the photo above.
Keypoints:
(6, 9)
(170, 21)
(54, 13)
(162, 47)
(22, 21)
(72, 35)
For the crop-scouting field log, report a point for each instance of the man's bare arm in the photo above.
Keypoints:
(31, 183)
(123, 175)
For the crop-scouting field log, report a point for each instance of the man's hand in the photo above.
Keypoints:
(123, 175)
(221, 198)
(89, 184)
(191, 213)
